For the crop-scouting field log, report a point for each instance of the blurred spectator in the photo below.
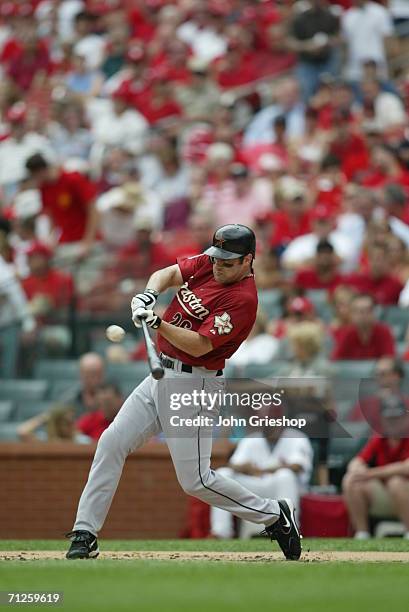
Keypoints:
(301, 250)
(323, 274)
(268, 274)
(384, 287)
(29, 226)
(31, 63)
(121, 207)
(83, 82)
(200, 97)
(19, 145)
(384, 108)
(376, 483)
(398, 258)
(287, 105)
(68, 199)
(292, 219)
(47, 289)
(365, 337)
(108, 402)
(306, 339)
(314, 36)
(56, 425)
(14, 318)
(204, 33)
(117, 124)
(83, 395)
(239, 203)
(389, 378)
(366, 27)
(68, 133)
(86, 42)
(259, 347)
(276, 462)
(396, 205)
(385, 168)
(296, 310)
(341, 300)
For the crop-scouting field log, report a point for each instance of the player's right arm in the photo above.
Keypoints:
(158, 282)
(165, 279)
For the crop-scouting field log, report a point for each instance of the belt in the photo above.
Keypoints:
(170, 364)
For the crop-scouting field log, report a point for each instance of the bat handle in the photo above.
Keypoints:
(155, 363)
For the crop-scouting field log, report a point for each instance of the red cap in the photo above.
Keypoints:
(38, 248)
(301, 305)
(320, 213)
(16, 113)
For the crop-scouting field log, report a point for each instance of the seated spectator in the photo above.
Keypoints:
(120, 207)
(59, 425)
(365, 337)
(323, 274)
(117, 123)
(276, 462)
(268, 273)
(287, 104)
(384, 168)
(292, 220)
(384, 108)
(17, 146)
(378, 282)
(83, 82)
(398, 258)
(341, 300)
(259, 347)
(307, 362)
(108, 402)
(68, 199)
(241, 204)
(47, 289)
(200, 97)
(301, 250)
(68, 133)
(14, 318)
(376, 483)
(389, 375)
(83, 395)
(29, 226)
(296, 310)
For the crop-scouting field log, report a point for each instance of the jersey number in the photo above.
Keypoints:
(179, 321)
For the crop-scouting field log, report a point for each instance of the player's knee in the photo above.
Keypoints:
(110, 442)
(225, 471)
(194, 483)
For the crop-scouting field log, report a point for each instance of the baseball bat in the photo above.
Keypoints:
(155, 364)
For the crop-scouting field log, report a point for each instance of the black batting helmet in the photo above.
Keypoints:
(232, 241)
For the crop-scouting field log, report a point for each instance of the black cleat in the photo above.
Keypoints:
(84, 545)
(285, 531)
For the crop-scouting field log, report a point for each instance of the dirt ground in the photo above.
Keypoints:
(254, 557)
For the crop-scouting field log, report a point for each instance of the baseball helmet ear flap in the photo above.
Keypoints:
(232, 241)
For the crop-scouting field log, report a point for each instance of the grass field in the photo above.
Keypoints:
(212, 585)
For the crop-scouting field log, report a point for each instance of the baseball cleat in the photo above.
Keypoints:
(285, 531)
(84, 545)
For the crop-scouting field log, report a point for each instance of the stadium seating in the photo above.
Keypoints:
(54, 369)
(17, 389)
(398, 319)
(6, 411)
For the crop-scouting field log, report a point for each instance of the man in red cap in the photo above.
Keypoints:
(46, 288)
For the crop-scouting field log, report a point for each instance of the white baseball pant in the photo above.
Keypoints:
(145, 413)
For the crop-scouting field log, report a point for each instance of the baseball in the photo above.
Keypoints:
(115, 333)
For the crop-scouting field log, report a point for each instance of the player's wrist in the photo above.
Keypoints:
(152, 292)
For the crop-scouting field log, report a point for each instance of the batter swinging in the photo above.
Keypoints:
(210, 316)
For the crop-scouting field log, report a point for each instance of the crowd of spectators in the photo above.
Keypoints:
(129, 130)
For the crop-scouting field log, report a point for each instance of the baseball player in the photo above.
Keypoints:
(210, 316)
